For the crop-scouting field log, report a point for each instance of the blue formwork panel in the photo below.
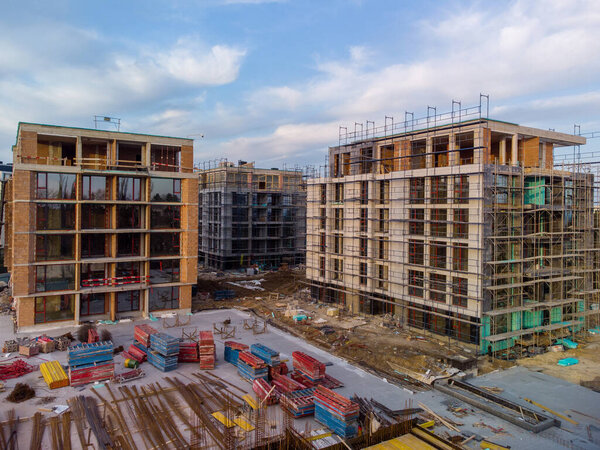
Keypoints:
(164, 344)
(161, 362)
(89, 355)
(270, 356)
(249, 373)
(341, 427)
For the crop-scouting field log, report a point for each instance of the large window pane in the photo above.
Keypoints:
(166, 271)
(92, 304)
(165, 190)
(128, 244)
(164, 298)
(129, 188)
(164, 244)
(128, 301)
(165, 216)
(128, 273)
(54, 308)
(93, 275)
(94, 188)
(55, 216)
(54, 247)
(55, 278)
(129, 216)
(94, 217)
(56, 186)
(93, 245)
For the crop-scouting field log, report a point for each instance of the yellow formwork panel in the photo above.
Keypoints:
(54, 375)
(248, 398)
(243, 424)
(405, 442)
(224, 420)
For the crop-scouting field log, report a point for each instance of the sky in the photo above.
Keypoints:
(271, 81)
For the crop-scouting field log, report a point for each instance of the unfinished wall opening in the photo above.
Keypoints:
(94, 153)
(465, 143)
(93, 275)
(417, 154)
(366, 160)
(165, 158)
(54, 151)
(94, 245)
(440, 151)
(160, 298)
(129, 155)
(388, 162)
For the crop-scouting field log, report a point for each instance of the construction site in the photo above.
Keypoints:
(480, 231)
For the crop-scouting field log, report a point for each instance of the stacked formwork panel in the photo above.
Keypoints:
(417, 223)
(102, 224)
(251, 216)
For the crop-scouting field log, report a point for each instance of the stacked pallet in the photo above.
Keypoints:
(188, 352)
(285, 384)
(251, 367)
(308, 366)
(90, 362)
(232, 350)
(336, 412)
(163, 352)
(141, 336)
(54, 374)
(327, 381)
(269, 356)
(207, 350)
(134, 352)
(46, 344)
(299, 403)
(264, 391)
(280, 369)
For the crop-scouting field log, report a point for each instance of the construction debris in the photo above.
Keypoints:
(20, 393)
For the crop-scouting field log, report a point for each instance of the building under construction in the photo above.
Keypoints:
(100, 224)
(460, 225)
(251, 216)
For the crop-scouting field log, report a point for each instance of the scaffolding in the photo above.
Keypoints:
(457, 225)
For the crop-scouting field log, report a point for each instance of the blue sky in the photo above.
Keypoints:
(271, 81)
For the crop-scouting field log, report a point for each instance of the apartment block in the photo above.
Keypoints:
(251, 216)
(466, 228)
(100, 224)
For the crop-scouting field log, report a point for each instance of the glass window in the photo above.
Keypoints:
(93, 275)
(60, 277)
(439, 190)
(55, 216)
(416, 251)
(239, 199)
(415, 283)
(163, 298)
(128, 244)
(92, 304)
(162, 216)
(165, 271)
(165, 190)
(128, 273)
(94, 188)
(128, 301)
(417, 190)
(439, 219)
(54, 247)
(164, 244)
(437, 256)
(56, 186)
(94, 217)
(437, 287)
(54, 308)
(459, 291)
(129, 188)
(417, 222)
(93, 245)
(129, 216)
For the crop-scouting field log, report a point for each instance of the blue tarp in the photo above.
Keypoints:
(568, 362)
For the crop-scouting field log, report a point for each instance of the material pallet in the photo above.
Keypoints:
(309, 366)
(251, 360)
(164, 344)
(343, 428)
(90, 374)
(188, 352)
(264, 391)
(136, 353)
(269, 356)
(142, 333)
(252, 373)
(29, 349)
(286, 384)
(232, 351)
(54, 374)
(299, 403)
(90, 354)
(161, 362)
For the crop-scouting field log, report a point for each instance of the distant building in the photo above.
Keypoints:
(251, 216)
(465, 229)
(100, 225)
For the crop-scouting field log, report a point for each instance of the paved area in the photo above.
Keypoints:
(517, 383)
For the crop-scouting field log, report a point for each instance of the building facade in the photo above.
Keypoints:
(251, 216)
(466, 229)
(100, 224)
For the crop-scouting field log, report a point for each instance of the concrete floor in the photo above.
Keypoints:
(556, 394)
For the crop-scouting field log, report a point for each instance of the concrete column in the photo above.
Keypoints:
(514, 154)
(503, 151)
(452, 156)
(79, 151)
(428, 151)
(76, 318)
